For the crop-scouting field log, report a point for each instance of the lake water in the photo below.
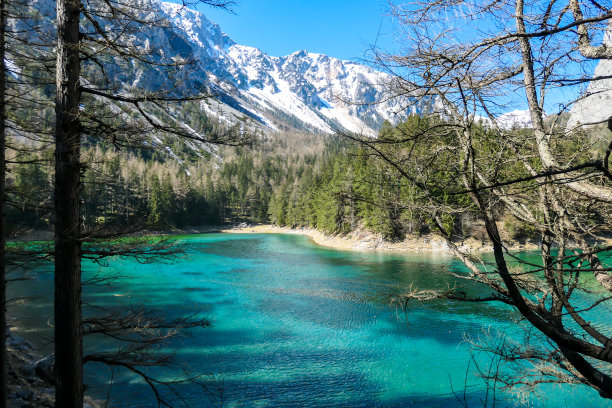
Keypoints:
(297, 325)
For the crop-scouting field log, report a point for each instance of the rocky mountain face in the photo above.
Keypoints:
(303, 90)
(596, 106)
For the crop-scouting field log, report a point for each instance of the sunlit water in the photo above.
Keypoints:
(297, 325)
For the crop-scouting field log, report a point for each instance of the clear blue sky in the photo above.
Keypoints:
(339, 28)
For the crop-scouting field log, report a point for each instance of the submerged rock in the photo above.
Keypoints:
(45, 368)
(26, 395)
(19, 344)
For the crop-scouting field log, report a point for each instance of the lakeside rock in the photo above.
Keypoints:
(30, 379)
(26, 388)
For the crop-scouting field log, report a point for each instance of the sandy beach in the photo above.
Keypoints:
(365, 241)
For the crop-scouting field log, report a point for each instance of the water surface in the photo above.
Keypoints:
(297, 325)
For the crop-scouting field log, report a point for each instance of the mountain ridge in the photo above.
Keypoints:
(311, 90)
(301, 91)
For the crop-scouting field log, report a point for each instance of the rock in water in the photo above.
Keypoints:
(45, 368)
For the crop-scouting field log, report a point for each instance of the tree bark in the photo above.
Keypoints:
(68, 331)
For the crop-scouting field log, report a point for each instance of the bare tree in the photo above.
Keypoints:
(470, 60)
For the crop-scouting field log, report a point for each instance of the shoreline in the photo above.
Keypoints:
(369, 242)
(360, 240)
(30, 375)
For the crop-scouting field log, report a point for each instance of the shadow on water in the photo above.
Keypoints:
(331, 391)
(334, 391)
(441, 329)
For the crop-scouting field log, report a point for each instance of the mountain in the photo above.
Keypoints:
(302, 90)
(596, 105)
(515, 119)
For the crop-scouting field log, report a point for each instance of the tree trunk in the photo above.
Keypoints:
(3, 355)
(68, 332)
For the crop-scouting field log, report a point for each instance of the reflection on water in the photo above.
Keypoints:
(298, 325)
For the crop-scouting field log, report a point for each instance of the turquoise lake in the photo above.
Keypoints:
(298, 325)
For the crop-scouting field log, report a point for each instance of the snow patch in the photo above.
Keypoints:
(514, 119)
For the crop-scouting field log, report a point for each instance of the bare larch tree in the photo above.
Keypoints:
(471, 61)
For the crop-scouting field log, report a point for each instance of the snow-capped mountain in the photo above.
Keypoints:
(301, 90)
(515, 119)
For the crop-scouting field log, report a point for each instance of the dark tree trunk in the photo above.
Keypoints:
(3, 355)
(68, 332)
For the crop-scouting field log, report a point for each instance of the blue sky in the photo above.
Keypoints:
(339, 28)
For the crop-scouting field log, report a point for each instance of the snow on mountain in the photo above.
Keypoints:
(302, 90)
(506, 121)
(199, 30)
(516, 118)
